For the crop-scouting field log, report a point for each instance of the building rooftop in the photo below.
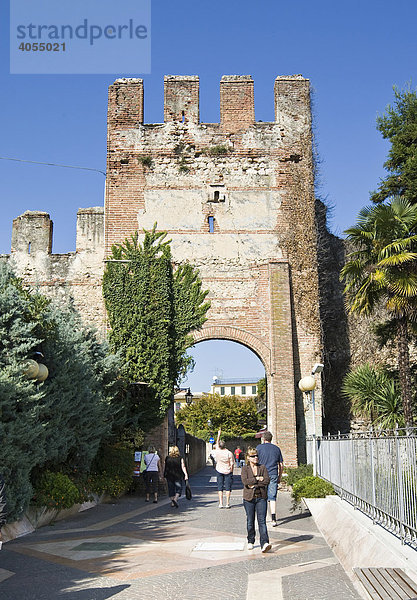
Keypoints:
(243, 380)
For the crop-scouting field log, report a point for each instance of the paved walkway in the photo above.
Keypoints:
(133, 550)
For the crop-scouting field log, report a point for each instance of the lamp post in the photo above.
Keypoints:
(188, 397)
(307, 385)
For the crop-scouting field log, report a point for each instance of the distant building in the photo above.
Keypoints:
(235, 387)
(179, 398)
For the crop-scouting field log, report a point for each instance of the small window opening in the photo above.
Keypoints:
(217, 195)
(29, 247)
(183, 117)
(211, 224)
(124, 161)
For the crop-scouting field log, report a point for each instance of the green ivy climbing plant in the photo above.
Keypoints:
(152, 311)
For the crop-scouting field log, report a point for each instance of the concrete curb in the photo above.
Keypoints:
(356, 541)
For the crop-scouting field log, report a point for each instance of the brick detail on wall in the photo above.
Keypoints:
(125, 108)
(181, 99)
(237, 106)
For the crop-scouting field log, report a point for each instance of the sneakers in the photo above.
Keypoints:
(250, 546)
(274, 524)
(221, 506)
(266, 548)
(227, 506)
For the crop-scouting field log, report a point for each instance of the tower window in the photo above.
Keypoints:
(216, 195)
(183, 117)
(29, 247)
(211, 224)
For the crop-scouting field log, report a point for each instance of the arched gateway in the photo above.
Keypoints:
(237, 200)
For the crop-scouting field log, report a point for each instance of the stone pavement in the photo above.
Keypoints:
(133, 550)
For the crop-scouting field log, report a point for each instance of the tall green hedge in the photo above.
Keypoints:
(151, 311)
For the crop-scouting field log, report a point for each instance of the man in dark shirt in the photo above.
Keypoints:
(270, 456)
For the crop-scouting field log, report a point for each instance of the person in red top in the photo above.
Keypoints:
(237, 454)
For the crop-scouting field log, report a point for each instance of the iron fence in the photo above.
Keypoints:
(376, 471)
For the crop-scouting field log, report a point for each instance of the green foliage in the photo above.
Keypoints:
(374, 394)
(183, 165)
(112, 470)
(219, 150)
(399, 126)
(311, 487)
(55, 490)
(146, 161)
(57, 424)
(151, 312)
(234, 414)
(294, 474)
(381, 271)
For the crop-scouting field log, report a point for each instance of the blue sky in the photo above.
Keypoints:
(353, 53)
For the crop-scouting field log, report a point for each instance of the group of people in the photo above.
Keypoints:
(174, 472)
(260, 477)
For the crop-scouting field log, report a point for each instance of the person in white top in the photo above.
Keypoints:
(152, 474)
(224, 467)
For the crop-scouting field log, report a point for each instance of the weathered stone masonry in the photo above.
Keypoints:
(237, 200)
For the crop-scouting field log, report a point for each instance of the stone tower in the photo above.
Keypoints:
(237, 200)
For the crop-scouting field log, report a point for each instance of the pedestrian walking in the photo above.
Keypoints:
(212, 456)
(270, 455)
(3, 506)
(175, 472)
(152, 474)
(237, 454)
(224, 467)
(255, 480)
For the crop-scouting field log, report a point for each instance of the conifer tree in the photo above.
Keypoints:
(399, 126)
(59, 423)
(21, 432)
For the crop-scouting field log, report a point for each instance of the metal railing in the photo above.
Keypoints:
(376, 471)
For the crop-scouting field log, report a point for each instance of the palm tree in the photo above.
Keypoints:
(382, 270)
(374, 394)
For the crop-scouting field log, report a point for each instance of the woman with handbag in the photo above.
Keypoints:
(152, 474)
(175, 471)
(255, 480)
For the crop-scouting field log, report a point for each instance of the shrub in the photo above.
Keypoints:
(311, 487)
(112, 470)
(294, 474)
(219, 150)
(146, 161)
(113, 485)
(55, 490)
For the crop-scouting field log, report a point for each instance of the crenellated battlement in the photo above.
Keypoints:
(182, 101)
(76, 275)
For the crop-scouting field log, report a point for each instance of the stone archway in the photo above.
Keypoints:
(235, 334)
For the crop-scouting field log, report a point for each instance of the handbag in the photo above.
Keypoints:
(188, 492)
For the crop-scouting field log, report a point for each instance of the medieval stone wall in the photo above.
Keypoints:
(237, 200)
(75, 276)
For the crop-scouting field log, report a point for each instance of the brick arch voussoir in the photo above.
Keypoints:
(235, 334)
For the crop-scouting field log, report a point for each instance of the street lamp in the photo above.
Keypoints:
(307, 385)
(188, 397)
